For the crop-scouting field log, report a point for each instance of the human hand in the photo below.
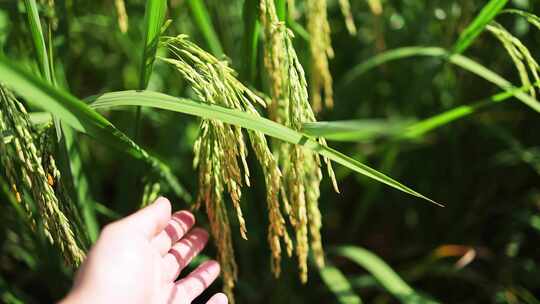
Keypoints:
(138, 259)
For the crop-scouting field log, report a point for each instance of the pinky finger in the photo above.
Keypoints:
(218, 298)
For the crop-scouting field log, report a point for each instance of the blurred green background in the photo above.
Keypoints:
(483, 247)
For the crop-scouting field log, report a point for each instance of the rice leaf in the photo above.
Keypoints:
(244, 120)
(81, 185)
(386, 276)
(251, 42)
(456, 59)
(204, 23)
(339, 285)
(488, 12)
(37, 38)
(281, 9)
(356, 130)
(363, 130)
(298, 29)
(81, 117)
(154, 16)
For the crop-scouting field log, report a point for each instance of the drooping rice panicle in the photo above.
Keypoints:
(301, 168)
(24, 167)
(520, 55)
(321, 51)
(220, 149)
(274, 57)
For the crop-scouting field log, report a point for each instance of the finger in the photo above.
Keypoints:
(183, 252)
(218, 298)
(178, 226)
(150, 220)
(196, 282)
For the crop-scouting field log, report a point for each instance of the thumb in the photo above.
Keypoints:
(150, 220)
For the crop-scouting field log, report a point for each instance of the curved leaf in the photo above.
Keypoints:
(488, 12)
(386, 276)
(245, 120)
(339, 285)
(357, 130)
(456, 59)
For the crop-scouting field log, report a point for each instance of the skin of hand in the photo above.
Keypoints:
(138, 260)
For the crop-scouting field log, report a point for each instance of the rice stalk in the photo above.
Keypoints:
(123, 19)
(221, 151)
(151, 191)
(321, 51)
(345, 7)
(375, 6)
(301, 168)
(520, 55)
(32, 173)
(291, 9)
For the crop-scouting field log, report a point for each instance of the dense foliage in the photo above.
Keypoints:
(438, 95)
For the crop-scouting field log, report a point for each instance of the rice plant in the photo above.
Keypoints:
(233, 110)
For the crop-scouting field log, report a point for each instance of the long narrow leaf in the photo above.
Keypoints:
(456, 59)
(81, 185)
(355, 130)
(251, 41)
(488, 12)
(386, 276)
(358, 130)
(245, 120)
(81, 117)
(281, 9)
(37, 38)
(204, 23)
(339, 285)
(154, 16)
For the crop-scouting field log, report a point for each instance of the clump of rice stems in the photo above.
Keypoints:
(123, 21)
(301, 168)
(151, 192)
(520, 54)
(349, 20)
(321, 51)
(220, 150)
(30, 174)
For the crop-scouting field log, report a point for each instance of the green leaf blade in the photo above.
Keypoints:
(383, 273)
(488, 12)
(38, 39)
(339, 285)
(202, 18)
(154, 17)
(456, 59)
(247, 121)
